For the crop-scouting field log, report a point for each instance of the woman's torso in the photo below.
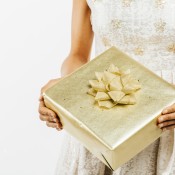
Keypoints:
(143, 29)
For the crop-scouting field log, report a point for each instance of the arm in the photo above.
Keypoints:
(81, 43)
(81, 37)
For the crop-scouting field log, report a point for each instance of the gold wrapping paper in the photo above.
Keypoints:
(114, 135)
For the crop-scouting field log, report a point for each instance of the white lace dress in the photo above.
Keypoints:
(145, 30)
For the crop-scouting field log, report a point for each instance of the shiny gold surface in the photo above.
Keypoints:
(114, 135)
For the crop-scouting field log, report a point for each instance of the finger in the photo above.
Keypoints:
(60, 127)
(45, 111)
(44, 118)
(52, 116)
(169, 109)
(166, 117)
(52, 125)
(49, 118)
(169, 128)
(167, 123)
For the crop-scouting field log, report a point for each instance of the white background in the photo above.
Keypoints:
(34, 41)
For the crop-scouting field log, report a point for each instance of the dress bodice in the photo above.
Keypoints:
(145, 30)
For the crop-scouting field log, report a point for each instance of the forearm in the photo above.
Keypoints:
(81, 38)
(71, 63)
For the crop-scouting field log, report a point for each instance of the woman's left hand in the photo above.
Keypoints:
(167, 119)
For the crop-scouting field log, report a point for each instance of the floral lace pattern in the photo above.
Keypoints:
(145, 30)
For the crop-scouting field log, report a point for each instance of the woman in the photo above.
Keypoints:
(145, 30)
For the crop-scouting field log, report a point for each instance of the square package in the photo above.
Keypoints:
(117, 134)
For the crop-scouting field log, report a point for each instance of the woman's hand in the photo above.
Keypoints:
(51, 118)
(167, 119)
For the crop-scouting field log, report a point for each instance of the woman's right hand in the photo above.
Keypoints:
(46, 114)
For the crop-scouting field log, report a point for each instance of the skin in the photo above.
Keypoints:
(81, 43)
(167, 119)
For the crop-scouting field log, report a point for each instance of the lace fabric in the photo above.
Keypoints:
(145, 30)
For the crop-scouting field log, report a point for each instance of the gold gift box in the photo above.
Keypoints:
(113, 135)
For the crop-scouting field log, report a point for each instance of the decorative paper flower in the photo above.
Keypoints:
(114, 87)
